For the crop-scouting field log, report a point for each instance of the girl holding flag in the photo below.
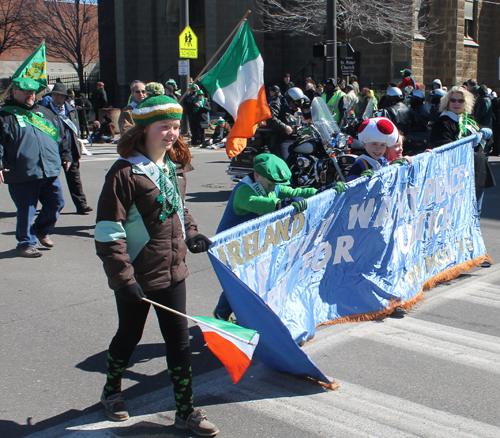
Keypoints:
(142, 235)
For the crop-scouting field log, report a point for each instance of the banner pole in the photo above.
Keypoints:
(195, 320)
(217, 53)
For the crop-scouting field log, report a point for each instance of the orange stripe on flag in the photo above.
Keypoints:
(235, 361)
(250, 113)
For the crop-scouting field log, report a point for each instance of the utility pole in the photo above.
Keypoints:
(184, 21)
(331, 39)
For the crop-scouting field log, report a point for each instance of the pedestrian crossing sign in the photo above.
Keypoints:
(188, 44)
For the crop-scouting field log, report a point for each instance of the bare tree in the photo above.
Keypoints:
(15, 24)
(377, 21)
(70, 31)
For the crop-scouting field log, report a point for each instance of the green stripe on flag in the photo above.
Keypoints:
(236, 330)
(242, 50)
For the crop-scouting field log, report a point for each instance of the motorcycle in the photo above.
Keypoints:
(351, 126)
(318, 155)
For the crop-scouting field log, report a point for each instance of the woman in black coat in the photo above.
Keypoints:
(454, 124)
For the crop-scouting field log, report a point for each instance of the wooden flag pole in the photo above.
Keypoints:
(5, 94)
(217, 53)
(195, 320)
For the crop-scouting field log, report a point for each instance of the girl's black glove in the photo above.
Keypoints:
(133, 292)
(198, 243)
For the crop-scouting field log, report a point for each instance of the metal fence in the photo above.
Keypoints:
(72, 82)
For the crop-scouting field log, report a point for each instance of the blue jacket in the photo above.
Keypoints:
(27, 152)
(230, 218)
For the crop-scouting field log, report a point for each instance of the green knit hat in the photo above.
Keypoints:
(273, 168)
(156, 106)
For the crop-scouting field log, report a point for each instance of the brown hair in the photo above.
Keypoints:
(134, 140)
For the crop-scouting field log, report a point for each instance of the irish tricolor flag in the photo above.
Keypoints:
(232, 344)
(236, 83)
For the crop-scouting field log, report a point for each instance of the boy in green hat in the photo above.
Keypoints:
(261, 192)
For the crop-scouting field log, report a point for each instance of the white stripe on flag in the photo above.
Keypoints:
(247, 86)
(243, 346)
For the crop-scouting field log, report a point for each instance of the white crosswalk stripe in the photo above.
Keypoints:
(353, 411)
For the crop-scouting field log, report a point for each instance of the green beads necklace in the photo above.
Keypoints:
(169, 196)
(463, 122)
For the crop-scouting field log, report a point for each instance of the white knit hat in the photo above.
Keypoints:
(379, 129)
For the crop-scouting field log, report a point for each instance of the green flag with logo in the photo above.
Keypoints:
(35, 67)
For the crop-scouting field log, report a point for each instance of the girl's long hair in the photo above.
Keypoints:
(134, 140)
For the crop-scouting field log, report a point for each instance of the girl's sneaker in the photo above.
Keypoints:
(197, 422)
(114, 407)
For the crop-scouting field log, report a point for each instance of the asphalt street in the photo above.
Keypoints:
(434, 373)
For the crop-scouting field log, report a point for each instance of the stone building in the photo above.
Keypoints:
(139, 40)
(465, 48)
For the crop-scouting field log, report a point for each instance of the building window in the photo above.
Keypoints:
(469, 25)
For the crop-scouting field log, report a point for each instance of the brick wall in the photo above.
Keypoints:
(488, 53)
(442, 50)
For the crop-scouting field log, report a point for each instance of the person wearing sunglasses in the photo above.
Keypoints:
(455, 123)
(138, 93)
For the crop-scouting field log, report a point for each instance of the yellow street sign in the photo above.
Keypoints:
(188, 44)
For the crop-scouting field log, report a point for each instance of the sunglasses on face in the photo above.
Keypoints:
(140, 91)
(452, 100)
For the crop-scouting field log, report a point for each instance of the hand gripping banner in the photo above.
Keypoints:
(353, 256)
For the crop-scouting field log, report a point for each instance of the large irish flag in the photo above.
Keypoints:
(236, 83)
(232, 344)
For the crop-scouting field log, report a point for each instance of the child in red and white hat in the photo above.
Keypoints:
(376, 134)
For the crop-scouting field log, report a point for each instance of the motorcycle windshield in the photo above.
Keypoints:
(323, 120)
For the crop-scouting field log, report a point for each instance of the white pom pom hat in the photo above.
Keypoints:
(378, 129)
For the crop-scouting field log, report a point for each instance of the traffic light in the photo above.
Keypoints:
(319, 50)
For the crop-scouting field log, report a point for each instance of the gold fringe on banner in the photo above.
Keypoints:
(333, 385)
(447, 275)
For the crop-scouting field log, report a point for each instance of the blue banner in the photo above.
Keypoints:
(362, 251)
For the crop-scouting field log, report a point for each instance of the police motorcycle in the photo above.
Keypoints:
(350, 126)
(320, 155)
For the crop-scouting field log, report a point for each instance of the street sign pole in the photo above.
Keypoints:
(331, 39)
(185, 79)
